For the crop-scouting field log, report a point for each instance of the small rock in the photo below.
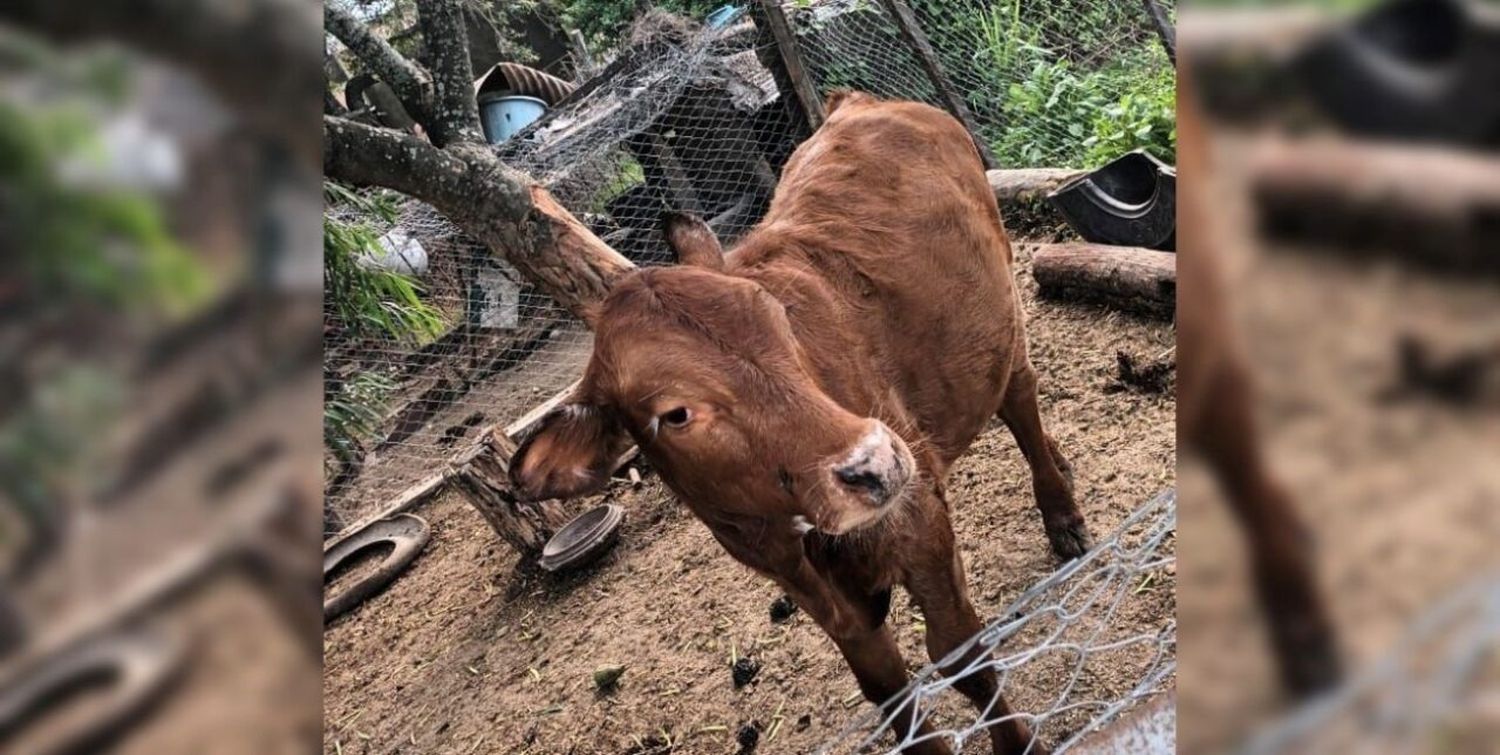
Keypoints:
(606, 677)
(782, 609)
(804, 721)
(744, 671)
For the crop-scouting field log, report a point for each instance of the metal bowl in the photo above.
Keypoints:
(587, 537)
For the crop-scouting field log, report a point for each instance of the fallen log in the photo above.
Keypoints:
(1430, 207)
(1141, 281)
(1015, 184)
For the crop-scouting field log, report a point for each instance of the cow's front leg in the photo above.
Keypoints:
(935, 579)
(856, 623)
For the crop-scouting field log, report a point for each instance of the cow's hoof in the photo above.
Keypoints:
(1070, 539)
(1308, 658)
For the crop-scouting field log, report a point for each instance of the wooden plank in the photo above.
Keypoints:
(518, 428)
(911, 31)
(790, 59)
(679, 183)
(425, 488)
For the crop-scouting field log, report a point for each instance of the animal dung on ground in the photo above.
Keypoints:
(606, 677)
(744, 671)
(748, 737)
(1148, 377)
(782, 609)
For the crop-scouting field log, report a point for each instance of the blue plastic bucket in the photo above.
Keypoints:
(721, 17)
(502, 115)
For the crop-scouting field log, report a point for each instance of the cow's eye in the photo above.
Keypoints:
(678, 417)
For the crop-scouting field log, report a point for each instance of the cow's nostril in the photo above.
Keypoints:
(861, 478)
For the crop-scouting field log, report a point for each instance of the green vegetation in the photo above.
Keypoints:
(1082, 82)
(95, 246)
(365, 301)
(353, 415)
(362, 299)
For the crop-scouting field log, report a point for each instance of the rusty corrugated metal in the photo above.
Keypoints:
(533, 83)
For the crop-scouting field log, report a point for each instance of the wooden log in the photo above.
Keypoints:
(911, 31)
(1014, 184)
(482, 478)
(1430, 207)
(1141, 281)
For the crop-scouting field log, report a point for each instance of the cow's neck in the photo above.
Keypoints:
(821, 293)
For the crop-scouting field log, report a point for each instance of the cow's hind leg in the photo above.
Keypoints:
(937, 586)
(1302, 635)
(1051, 475)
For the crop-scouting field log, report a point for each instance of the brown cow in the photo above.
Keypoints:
(1215, 419)
(806, 393)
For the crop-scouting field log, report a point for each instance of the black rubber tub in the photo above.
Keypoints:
(1132, 201)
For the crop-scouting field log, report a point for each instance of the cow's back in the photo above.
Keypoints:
(889, 204)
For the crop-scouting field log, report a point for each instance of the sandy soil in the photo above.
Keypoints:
(247, 686)
(462, 654)
(1400, 494)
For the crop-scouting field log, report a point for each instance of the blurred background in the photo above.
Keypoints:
(159, 382)
(161, 331)
(1347, 245)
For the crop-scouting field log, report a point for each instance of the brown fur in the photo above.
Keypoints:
(1215, 419)
(878, 287)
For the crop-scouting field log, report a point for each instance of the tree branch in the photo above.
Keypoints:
(515, 218)
(369, 155)
(412, 84)
(455, 114)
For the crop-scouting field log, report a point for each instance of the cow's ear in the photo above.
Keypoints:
(570, 452)
(692, 240)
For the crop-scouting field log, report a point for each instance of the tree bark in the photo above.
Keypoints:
(517, 219)
(1142, 281)
(483, 479)
(455, 116)
(406, 79)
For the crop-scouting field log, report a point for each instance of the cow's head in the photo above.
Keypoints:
(702, 370)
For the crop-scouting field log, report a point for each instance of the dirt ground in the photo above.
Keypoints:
(462, 654)
(1400, 493)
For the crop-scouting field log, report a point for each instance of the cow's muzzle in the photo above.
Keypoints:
(877, 469)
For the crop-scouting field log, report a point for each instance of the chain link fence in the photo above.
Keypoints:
(690, 117)
(1065, 663)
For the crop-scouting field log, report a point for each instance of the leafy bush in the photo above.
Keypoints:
(1060, 108)
(363, 299)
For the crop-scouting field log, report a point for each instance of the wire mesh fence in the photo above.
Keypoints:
(1066, 662)
(1436, 690)
(691, 117)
